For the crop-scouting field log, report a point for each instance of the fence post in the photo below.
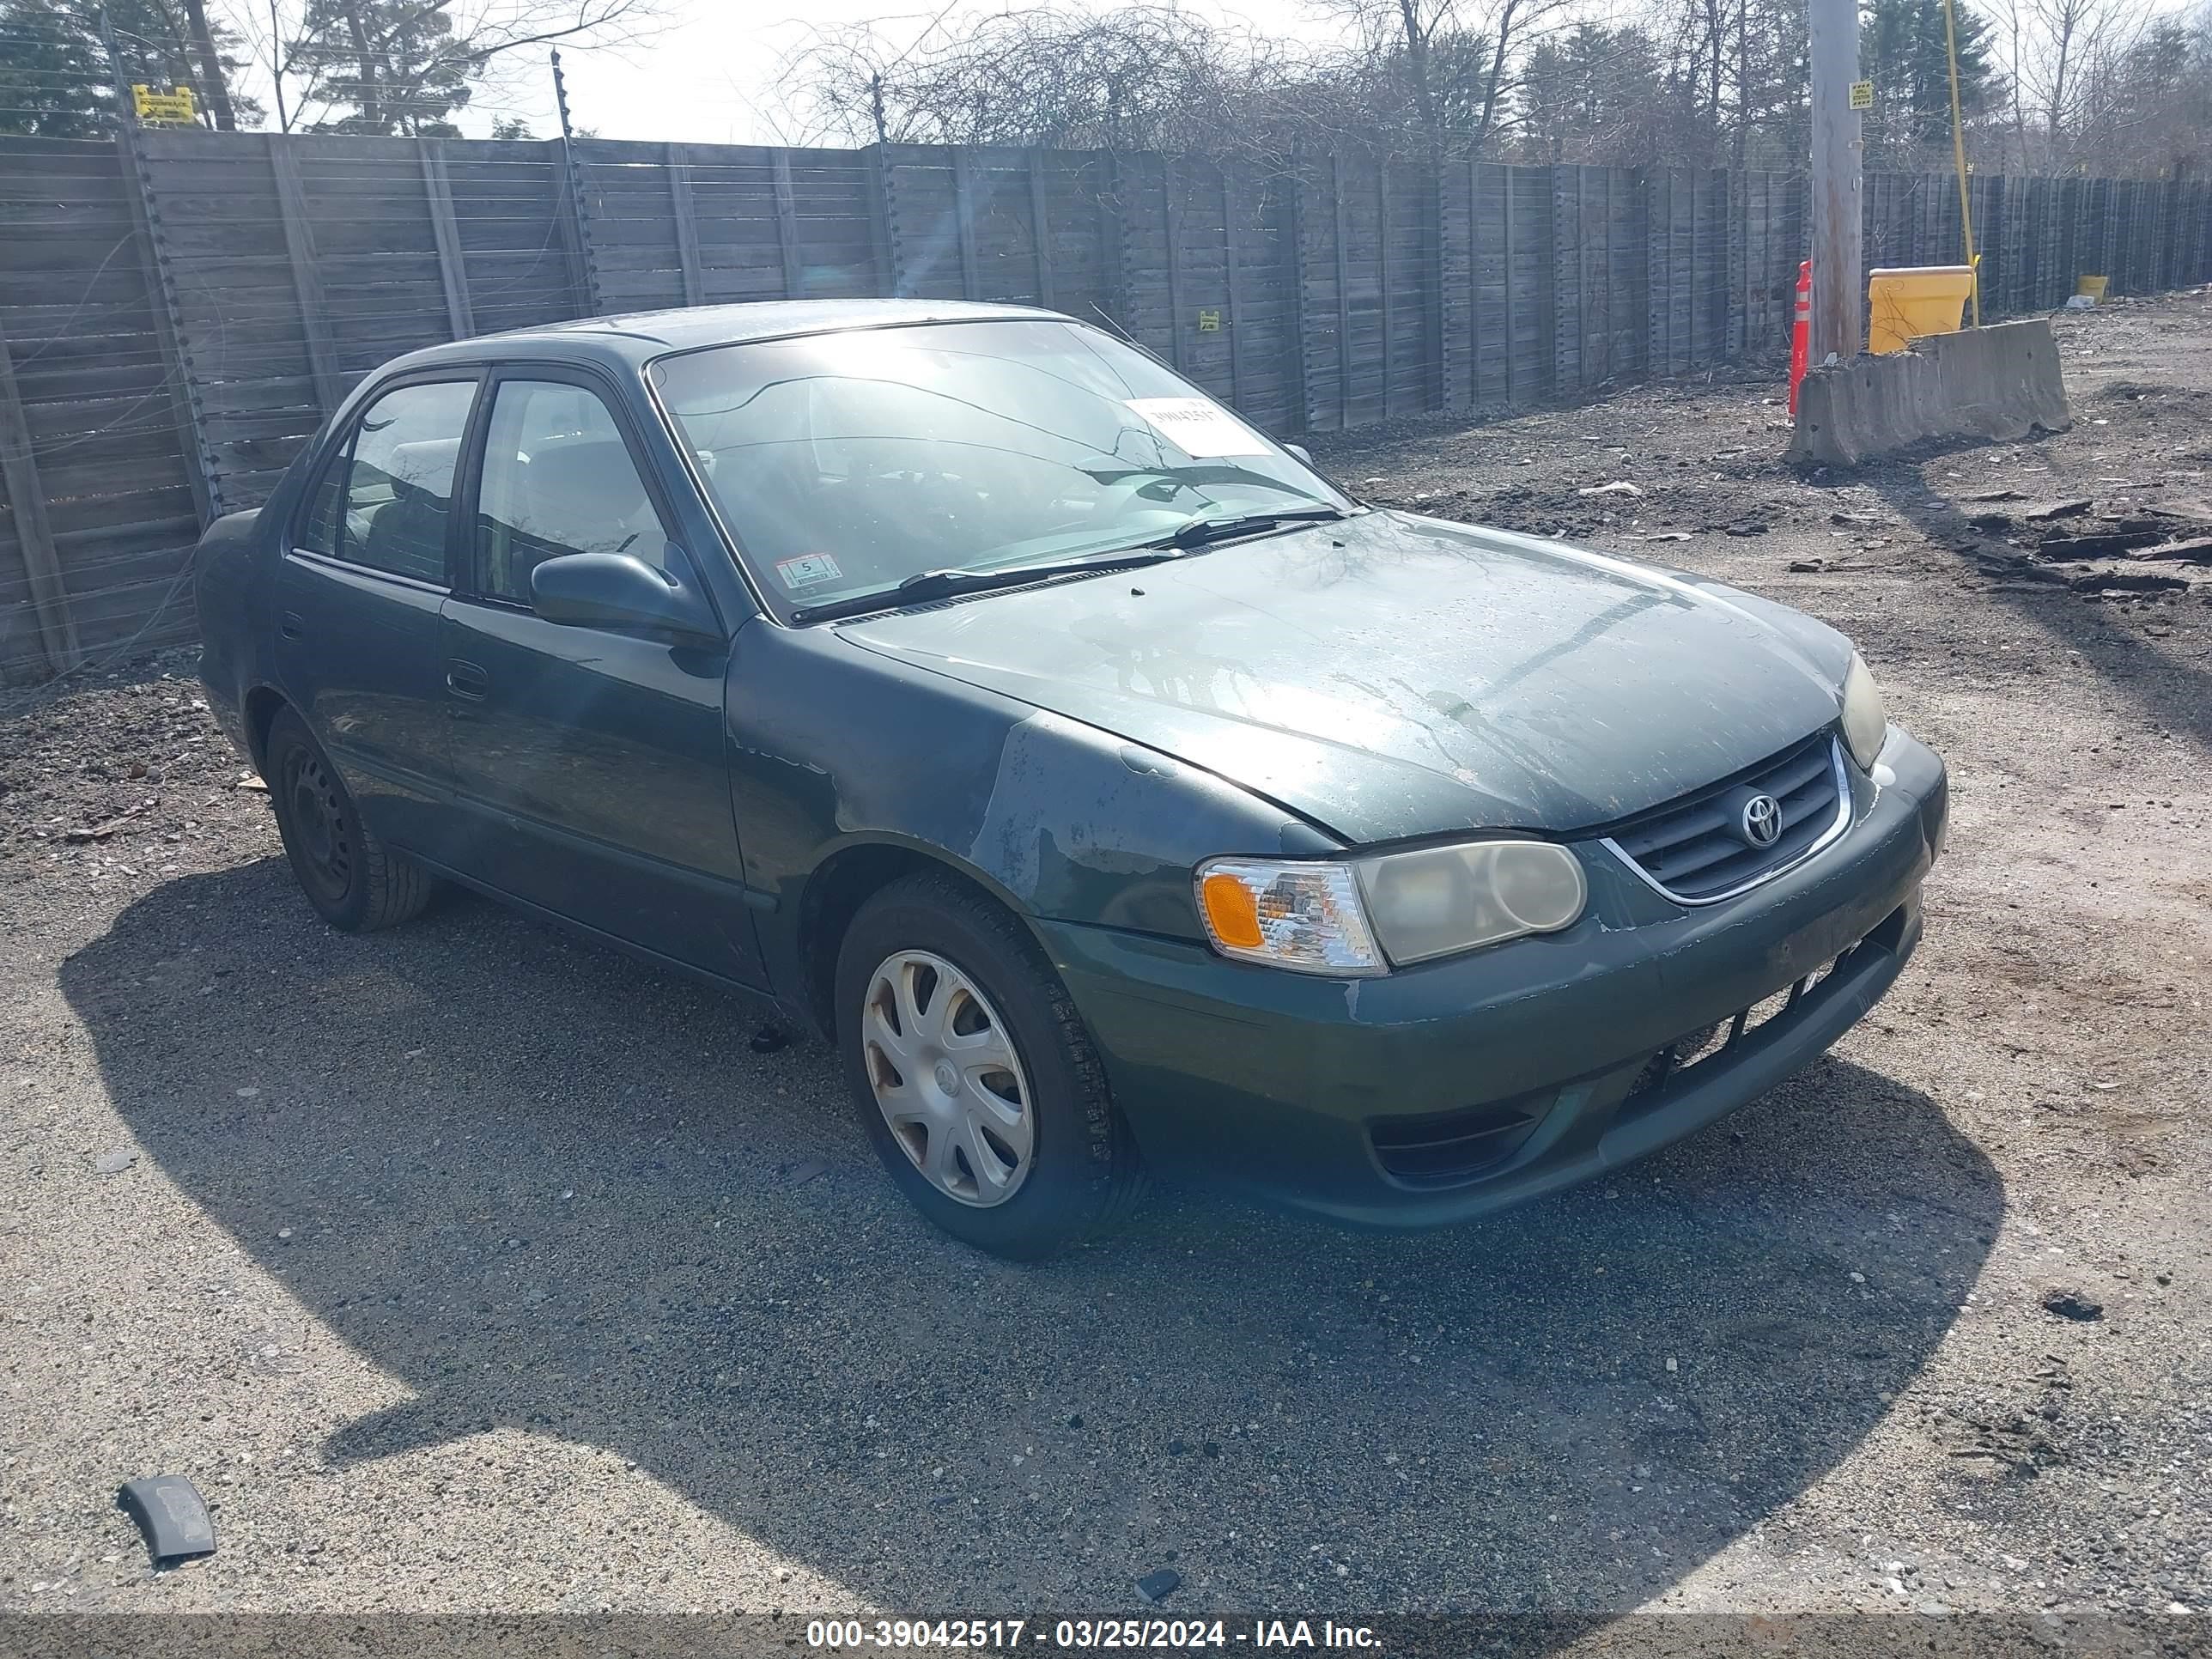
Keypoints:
(1436, 384)
(1172, 245)
(1388, 323)
(1566, 252)
(576, 230)
(1512, 293)
(445, 231)
(1343, 293)
(883, 224)
(35, 531)
(1655, 271)
(1232, 278)
(306, 278)
(1040, 229)
(178, 369)
(1113, 244)
(786, 229)
(677, 159)
(1738, 199)
(1294, 244)
(1474, 284)
(964, 210)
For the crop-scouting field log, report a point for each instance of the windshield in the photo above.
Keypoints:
(845, 464)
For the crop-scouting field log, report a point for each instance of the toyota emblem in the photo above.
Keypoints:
(1761, 822)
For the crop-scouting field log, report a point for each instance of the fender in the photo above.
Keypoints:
(1055, 819)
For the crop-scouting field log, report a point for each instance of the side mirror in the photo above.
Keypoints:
(613, 590)
(1299, 453)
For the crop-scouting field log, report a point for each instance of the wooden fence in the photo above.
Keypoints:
(179, 309)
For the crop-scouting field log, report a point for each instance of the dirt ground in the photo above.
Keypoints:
(468, 1267)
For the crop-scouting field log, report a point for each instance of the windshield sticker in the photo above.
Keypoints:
(1198, 428)
(807, 571)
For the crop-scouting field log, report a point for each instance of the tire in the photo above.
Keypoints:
(355, 882)
(979, 979)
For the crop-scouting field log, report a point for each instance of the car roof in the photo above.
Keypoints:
(637, 337)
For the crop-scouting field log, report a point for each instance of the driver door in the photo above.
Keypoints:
(589, 763)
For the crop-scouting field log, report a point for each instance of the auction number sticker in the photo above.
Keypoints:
(1077, 1634)
(807, 571)
(1198, 428)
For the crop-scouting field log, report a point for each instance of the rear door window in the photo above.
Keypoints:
(387, 499)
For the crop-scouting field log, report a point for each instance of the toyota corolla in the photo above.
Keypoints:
(1110, 788)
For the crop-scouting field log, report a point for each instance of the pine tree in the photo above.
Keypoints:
(1901, 49)
(55, 79)
(387, 66)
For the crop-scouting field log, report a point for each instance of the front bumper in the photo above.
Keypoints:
(1456, 1088)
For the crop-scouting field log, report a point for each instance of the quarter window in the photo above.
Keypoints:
(385, 501)
(557, 479)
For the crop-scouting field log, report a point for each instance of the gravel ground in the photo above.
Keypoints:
(467, 1267)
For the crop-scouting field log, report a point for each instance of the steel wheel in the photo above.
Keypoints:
(318, 816)
(946, 1079)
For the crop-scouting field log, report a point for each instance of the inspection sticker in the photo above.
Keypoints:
(1198, 428)
(807, 570)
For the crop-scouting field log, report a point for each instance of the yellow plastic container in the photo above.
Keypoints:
(1907, 301)
(2092, 286)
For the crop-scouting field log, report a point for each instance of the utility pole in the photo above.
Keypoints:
(218, 94)
(1839, 275)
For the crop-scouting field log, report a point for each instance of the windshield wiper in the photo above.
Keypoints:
(1200, 531)
(929, 585)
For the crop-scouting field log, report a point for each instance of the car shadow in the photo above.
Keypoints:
(548, 1190)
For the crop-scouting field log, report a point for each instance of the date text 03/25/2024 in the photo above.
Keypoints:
(1119, 1634)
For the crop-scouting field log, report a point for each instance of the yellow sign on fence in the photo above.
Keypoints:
(1209, 320)
(160, 109)
(1862, 94)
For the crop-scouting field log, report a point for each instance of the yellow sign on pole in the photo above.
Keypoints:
(1862, 94)
(164, 108)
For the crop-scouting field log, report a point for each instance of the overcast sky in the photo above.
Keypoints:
(709, 76)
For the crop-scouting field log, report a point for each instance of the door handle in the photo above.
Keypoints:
(291, 627)
(465, 679)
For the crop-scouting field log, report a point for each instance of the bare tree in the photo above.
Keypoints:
(408, 66)
(1460, 60)
(1136, 77)
(2053, 52)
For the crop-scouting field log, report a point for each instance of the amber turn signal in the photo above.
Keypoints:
(1232, 913)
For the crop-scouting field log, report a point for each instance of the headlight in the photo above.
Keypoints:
(1866, 722)
(1402, 907)
(1444, 899)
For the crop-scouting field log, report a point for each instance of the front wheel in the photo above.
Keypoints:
(352, 878)
(974, 1076)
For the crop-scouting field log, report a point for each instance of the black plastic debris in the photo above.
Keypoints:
(171, 1514)
(769, 1039)
(1155, 1586)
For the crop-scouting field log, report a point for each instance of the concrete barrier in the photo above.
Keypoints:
(2000, 382)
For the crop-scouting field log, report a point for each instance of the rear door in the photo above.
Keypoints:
(364, 576)
(589, 763)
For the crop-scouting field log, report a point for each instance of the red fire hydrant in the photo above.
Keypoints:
(1800, 333)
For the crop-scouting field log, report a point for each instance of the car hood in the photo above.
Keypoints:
(1388, 675)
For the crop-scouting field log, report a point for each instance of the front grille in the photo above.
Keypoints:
(1711, 1043)
(1449, 1148)
(1694, 850)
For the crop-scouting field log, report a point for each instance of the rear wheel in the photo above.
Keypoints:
(352, 878)
(974, 1076)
